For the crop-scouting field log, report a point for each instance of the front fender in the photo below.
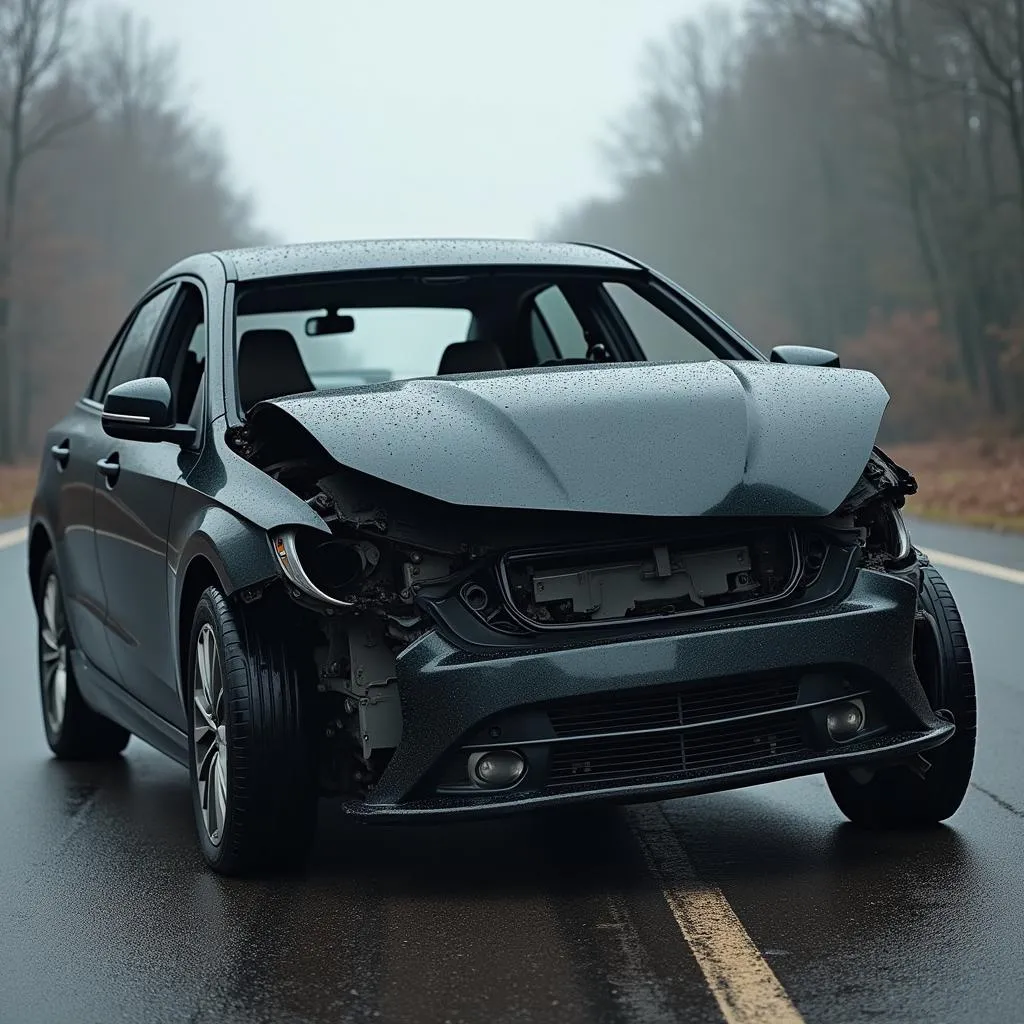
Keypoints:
(238, 551)
(222, 513)
(212, 540)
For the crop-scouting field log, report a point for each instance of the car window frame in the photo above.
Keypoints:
(98, 384)
(161, 339)
(588, 299)
(657, 298)
(696, 318)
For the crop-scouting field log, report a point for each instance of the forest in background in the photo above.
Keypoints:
(847, 174)
(844, 173)
(106, 178)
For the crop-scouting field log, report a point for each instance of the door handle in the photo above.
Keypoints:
(61, 453)
(110, 468)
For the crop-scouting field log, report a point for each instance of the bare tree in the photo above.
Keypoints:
(33, 40)
(850, 173)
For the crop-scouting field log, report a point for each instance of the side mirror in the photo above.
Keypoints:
(140, 410)
(804, 355)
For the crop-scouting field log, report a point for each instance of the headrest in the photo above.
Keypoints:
(471, 357)
(269, 366)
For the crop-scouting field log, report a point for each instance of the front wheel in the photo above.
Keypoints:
(897, 797)
(252, 762)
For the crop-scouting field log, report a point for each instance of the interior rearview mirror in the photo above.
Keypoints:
(804, 355)
(142, 410)
(332, 323)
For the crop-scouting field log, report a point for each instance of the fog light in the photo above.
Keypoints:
(496, 769)
(845, 721)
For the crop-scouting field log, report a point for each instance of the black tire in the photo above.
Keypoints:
(268, 741)
(74, 732)
(897, 797)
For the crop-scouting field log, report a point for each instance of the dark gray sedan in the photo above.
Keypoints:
(446, 528)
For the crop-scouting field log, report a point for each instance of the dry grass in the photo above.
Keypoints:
(975, 482)
(17, 485)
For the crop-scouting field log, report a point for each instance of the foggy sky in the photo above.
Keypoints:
(366, 118)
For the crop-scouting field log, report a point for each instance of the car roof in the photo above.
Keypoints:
(400, 253)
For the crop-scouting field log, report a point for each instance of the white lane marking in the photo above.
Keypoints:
(744, 986)
(996, 572)
(12, 537)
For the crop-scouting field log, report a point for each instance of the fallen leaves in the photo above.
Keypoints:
(974, 481)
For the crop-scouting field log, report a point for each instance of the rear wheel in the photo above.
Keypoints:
(74, 731)
(898, 797)
(252, 761)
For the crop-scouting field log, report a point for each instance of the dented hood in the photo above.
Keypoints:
(681, 439)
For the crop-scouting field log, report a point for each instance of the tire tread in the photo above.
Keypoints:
(272, 791)
(895, 797)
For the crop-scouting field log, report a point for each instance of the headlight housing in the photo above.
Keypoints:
(327, 569)
(888, 534)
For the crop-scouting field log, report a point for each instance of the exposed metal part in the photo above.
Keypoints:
(475, 596)
(365, 675)
(422, 571)
(609, 592)
(612, 591)
(902, 535)
(882, 479)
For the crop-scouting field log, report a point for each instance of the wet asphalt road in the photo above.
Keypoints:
(107, 913)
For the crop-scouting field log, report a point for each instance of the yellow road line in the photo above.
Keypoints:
(744, 986)
(12, 537)
(996, 572)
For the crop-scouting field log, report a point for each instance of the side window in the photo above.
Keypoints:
(97, 391)
(661, 339)
(182, 359)
(191, 391)
(540, 337)
(127, 363)
(554, 324)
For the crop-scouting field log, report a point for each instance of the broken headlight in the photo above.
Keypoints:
(327, 569)
(888, 534)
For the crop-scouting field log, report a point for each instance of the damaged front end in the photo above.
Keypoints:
(397, 564)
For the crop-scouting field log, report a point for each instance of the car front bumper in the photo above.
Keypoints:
(751, 698)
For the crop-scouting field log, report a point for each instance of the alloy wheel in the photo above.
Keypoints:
(210, 738)
(53, 655)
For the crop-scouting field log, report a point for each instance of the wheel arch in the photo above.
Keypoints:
(222, 551)
(39, 545)
(199, 575)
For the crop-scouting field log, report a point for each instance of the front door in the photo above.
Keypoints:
(134, 493)
(74, 445)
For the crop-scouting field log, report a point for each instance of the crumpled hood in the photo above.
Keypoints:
(737, 438)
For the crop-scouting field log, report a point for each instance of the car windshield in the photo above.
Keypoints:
(383, 343)
(343, 333)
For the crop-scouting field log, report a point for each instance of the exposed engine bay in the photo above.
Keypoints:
(375, 583)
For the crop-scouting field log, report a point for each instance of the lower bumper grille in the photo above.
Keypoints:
(673, 734)
(735, 736)
(622, 712)
(657, 757)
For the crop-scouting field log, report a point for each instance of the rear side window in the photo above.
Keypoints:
(554, 325)
(127, 363)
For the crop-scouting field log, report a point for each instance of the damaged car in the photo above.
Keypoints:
(451, 528)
